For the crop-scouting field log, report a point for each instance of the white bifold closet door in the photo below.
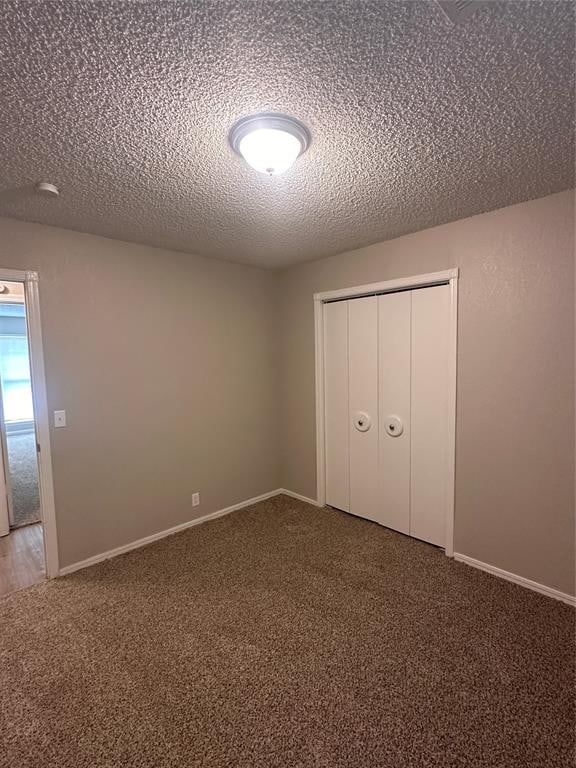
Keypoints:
(394, 345)
(386, 408)
(363, 404)
(337, 431)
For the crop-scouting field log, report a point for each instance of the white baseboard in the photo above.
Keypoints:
(298, 496)
(492, 569)
(533, 585)
(167, 532)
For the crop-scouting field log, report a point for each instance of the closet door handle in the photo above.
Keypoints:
(393, 425)
(362, 421)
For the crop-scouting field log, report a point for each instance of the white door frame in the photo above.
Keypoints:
(4, 509)
(447, 277)
(41, 416)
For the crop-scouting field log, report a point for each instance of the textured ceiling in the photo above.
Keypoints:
(126, 106)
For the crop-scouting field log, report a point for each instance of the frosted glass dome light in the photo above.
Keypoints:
(269, 143)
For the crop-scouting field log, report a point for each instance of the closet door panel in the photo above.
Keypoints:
(394, 409)
(336, 404)
(430, 346)
(363, 414)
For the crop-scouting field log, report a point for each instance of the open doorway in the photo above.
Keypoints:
(21, 536)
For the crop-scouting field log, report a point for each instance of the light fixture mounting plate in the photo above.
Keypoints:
(271, 121)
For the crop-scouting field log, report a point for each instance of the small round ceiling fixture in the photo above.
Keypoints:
(47, 189)
(270, 143)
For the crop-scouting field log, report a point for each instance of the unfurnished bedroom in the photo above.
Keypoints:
(287, 367)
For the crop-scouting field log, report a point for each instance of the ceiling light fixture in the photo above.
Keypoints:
(269, 143)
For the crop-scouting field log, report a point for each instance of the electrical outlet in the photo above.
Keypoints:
(195, 499)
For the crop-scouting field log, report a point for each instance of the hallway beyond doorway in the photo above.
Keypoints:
(24, 477)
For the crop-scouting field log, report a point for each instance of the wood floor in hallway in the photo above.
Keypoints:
(21, 558)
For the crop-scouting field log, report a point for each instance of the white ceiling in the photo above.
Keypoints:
(126, 106)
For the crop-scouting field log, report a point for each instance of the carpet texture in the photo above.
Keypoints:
(285, 636)
(23, 478)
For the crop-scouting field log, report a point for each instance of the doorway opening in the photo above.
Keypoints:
(22, 545)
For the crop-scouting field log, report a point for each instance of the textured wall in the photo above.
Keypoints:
(515, 418)
(415, 121)
(166, 366)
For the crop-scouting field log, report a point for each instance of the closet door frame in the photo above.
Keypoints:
(447, 277)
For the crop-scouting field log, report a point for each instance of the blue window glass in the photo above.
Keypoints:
(15, 376)
(14, 363)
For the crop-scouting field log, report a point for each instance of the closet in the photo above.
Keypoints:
(387, 408)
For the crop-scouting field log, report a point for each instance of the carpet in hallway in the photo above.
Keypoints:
(280, 636)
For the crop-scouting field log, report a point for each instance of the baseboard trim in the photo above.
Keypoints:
(167, 532)
(527, 583)
(298, 496)
(492, 569)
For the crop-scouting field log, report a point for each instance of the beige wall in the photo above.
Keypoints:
(166, 366)
(515, 411)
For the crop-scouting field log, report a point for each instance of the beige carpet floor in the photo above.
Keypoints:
(284, 635)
